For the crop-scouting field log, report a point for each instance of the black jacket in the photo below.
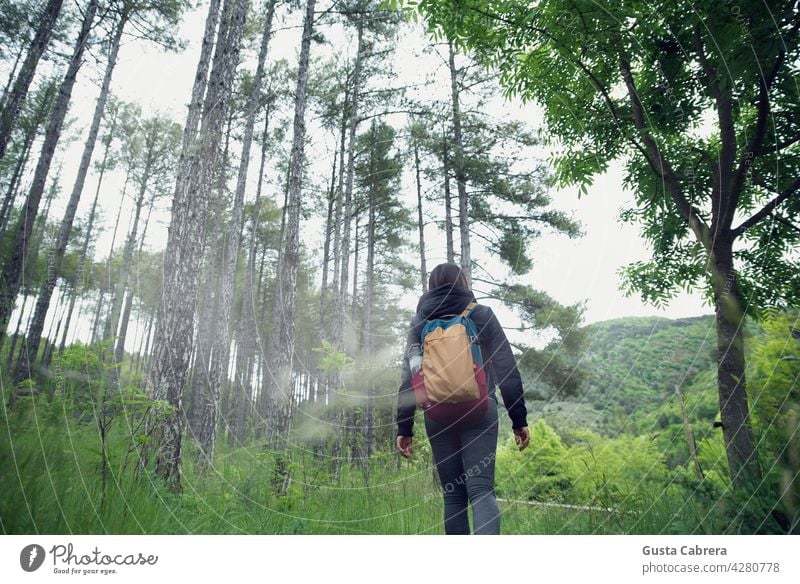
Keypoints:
(501, 368)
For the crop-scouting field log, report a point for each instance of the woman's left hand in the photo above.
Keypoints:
(522, 436)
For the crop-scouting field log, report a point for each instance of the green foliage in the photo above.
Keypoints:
(774, 381)
(332, 361)
(539, 473)
(624, 80)
(557, 366)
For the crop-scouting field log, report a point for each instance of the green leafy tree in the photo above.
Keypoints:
(700, 102)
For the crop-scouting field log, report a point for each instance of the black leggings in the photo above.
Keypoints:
(465, 458)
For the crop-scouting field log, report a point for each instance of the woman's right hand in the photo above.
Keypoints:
(405, 445)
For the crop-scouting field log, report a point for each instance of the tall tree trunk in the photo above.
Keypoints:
(54, 268)
(221, 354)
(201, 78)
(119, 351)
(348, 202)
(326, 251)
(338, 301)
(423, 270)
(354, 297)
(22, 161)
(58, 318)
(331, 228)
(16, 175)
(144, 352)
(369, 299)
(209, 310)
(282, 338)
(107, 288)
(32, 258)
(40, 40)
(247, 331)
(13, 271)
(190, 129)
(736, 430)
(11, 75)
(175, 325)
(335, 408)
(12, 349)
(112, 324)
(96, 318)
(76, 284)
(461, 180)
(448, 202)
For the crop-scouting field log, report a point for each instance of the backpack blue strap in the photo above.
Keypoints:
(470, 307)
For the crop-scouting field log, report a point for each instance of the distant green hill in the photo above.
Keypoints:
(633, 365)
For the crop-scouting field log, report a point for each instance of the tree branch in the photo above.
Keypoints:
(754, 147)
(767, 209)
(721, 193)
(687, 211)
(782, 146)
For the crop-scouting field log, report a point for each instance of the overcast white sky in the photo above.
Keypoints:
(569, 270)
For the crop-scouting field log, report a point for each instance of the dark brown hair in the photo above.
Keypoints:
(447, 273)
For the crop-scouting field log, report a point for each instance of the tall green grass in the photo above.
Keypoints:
(51, 482)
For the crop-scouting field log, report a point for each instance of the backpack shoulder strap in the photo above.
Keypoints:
(470, 307)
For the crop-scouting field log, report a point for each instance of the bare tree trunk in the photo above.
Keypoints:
(147, 360)
(448, 202)
(420, 223)
(12, 349)
(119, 351)
(175, 325)
(201, 79)
(246, 333)
(11, 75)
(461, 180)
(354, 297)
(96, 318)
(13, 271)
(13, 184)
(87, 238)
(77, 282)
(348, 202)
(57, 256)
(22, 161)
(12, 106)
(337, 318)
(207, 317)
(209, 311)
(326, 253)
(282, 338)
(369, 299)
(47, 357)
(338, 301)
(221, 354)
(144, 345)
(190, 129)
(108, 283)
(112, 324)
(33, 254)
